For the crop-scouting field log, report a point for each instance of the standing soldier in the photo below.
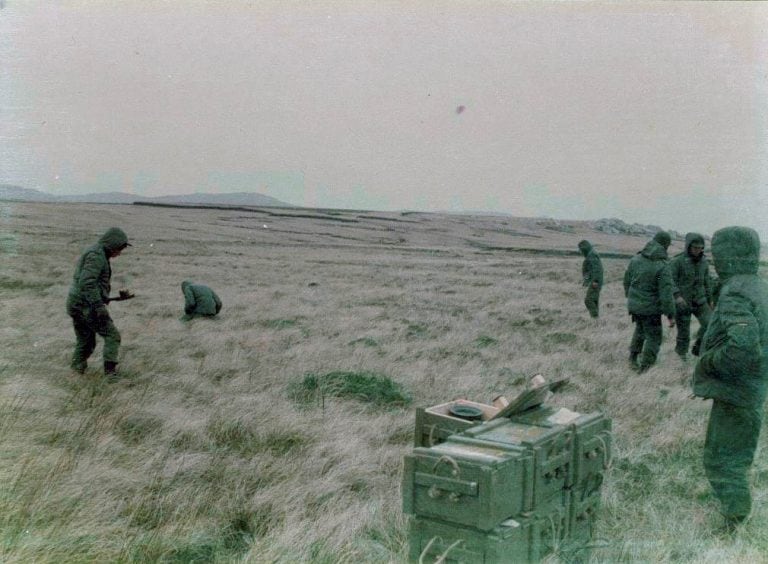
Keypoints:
(733, 370)
(693, 295)
(648, 288)
(88, 299)
(592, 276)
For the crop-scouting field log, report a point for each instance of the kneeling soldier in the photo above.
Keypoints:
(199, 300)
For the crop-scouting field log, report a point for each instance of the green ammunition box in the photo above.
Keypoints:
(519, 540)
(592, 440)
(585, 507)
(584, 511)
(437, 423)
(552, 448)
(468, 482)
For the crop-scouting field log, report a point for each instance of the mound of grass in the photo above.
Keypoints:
(484, 341)
(369, 387)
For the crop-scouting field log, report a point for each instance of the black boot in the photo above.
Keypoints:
(110, 371)
(633, 360)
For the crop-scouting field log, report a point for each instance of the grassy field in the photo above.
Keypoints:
(242, 438)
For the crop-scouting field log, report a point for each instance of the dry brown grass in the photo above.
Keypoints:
(200, 454)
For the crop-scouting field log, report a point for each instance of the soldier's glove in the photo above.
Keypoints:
(126, 294)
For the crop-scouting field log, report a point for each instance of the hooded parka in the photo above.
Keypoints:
(648, 282)
(693, 293)
(88, 298)
(592, 277)
(733, 369)
(199, 299)
(690, 275)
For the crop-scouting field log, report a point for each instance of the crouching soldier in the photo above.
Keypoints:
(693, 295)
(592, 277)
(733, 370)
(87, 302)
(199, 300)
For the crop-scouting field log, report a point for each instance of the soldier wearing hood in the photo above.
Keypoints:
(648, 288)
(693, 295)
(199, 300)
(592, 277)
(733, 370)
(87, 302)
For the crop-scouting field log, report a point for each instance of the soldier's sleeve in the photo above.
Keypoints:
(738, 351)
(627, 279)
(89, 280)
(707, 283)
(598, 274)
(666, 296)
(189, 300)
(674, 268)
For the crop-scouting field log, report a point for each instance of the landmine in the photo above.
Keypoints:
(514, 484)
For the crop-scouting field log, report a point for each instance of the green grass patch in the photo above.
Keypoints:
(416, 331)
(135, 428)
(484, 341)
(365, 341)
(17, 284)
(370, 387)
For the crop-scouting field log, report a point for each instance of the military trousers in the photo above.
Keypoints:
(683, 322)
(86, 328)
(729, 449)
(592, 301)
(646, 340)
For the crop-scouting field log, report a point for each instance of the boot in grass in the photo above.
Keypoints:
(110, 371)
(79, 367)
(633, 361)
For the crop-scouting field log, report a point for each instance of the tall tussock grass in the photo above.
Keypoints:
(276, 432)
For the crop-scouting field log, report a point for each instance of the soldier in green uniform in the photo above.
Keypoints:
(648, 288)
(592, 277)
(199, 300)
(733, 370)
(693, 295)
(87, 302)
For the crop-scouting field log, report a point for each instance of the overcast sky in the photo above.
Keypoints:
(651, 112)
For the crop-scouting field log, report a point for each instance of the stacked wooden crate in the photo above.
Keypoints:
(509, 489)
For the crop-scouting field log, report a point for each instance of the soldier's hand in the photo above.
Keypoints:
(595, 285)
(680, 301)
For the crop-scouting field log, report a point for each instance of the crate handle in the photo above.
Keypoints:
(607, 461)
(431, 438)
(440, 559)
(448, 460)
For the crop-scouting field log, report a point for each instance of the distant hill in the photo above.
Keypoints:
(19, 194)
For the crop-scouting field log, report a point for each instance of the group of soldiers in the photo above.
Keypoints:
(731, 344)
(654, 287)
